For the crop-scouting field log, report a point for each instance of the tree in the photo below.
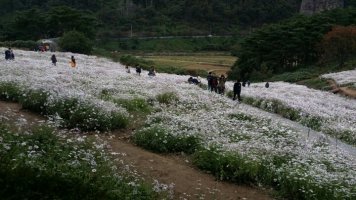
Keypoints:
(75, 42)
(63, 19)
(27, 25)
(339, 44)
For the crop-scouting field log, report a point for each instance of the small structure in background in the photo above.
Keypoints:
(47, 45)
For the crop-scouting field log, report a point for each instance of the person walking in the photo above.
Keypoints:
(73, 62)
(54, 60)
(237, 90)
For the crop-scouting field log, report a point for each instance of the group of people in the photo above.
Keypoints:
(72, 61)
(9, 54)
(216, 84)
(151, 71)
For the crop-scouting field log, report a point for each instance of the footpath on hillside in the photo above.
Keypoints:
(346, 91)
(168, 170)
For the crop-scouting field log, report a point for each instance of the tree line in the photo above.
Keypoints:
(296, 43)
(116, 18)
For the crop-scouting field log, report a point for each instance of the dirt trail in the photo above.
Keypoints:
(346, 91)
(189, 183)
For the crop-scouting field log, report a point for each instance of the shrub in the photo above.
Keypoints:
(167, 98)
(74, 113)
(86, 116)
(133, 61)
(28, 44)
(134, 105)
(312, 122)
(158, 140)
(10, 91)
(226, 166)
(240, 116)
(35, 100)
(75, 42)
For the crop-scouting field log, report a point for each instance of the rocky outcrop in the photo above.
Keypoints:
(310, 7)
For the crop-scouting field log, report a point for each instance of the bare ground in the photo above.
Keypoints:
(189, 183)
(346, 91)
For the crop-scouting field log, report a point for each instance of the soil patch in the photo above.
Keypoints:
(346, 91)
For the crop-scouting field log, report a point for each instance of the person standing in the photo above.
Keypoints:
(8, 54)
(73, 62)
(127, 69)
(54, 60)
(237, 90)
(12, 55)
(138, 70)
(267, 85)
(221, 85)
(152, 71)
(210, 80)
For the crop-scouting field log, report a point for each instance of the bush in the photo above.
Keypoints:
(10, 92)
(86, 116)
(75, 42)
(35, 100)
(134, 105)
(167, 98)
(28, 44)
(158, 140)
(226, 166)
(74, 113)
(133, 61)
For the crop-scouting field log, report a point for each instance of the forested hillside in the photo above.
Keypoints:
(116, 18)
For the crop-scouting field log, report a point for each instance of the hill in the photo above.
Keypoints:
(235, 142)
(123, 18)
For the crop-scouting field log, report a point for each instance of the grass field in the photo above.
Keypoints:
(218, 64)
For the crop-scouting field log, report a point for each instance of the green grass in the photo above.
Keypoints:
(42, 165)
(170, 44)
(158, 140)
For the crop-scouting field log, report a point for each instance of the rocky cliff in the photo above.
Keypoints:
(310, 7)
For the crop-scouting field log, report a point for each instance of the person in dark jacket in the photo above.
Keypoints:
(8, 54)
(12, 55)
(237, 90)
(138, 70)
(54, 59)
(210, 79)
(267, 85)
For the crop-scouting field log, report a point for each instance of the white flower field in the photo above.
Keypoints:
(292, 155)
(343, 78)
(336, 114)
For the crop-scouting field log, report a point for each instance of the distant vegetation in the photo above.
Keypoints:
(299, 42)
(285, 43)
(115, 18)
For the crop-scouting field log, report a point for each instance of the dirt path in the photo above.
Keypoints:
(189, 183)
(346, 91)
